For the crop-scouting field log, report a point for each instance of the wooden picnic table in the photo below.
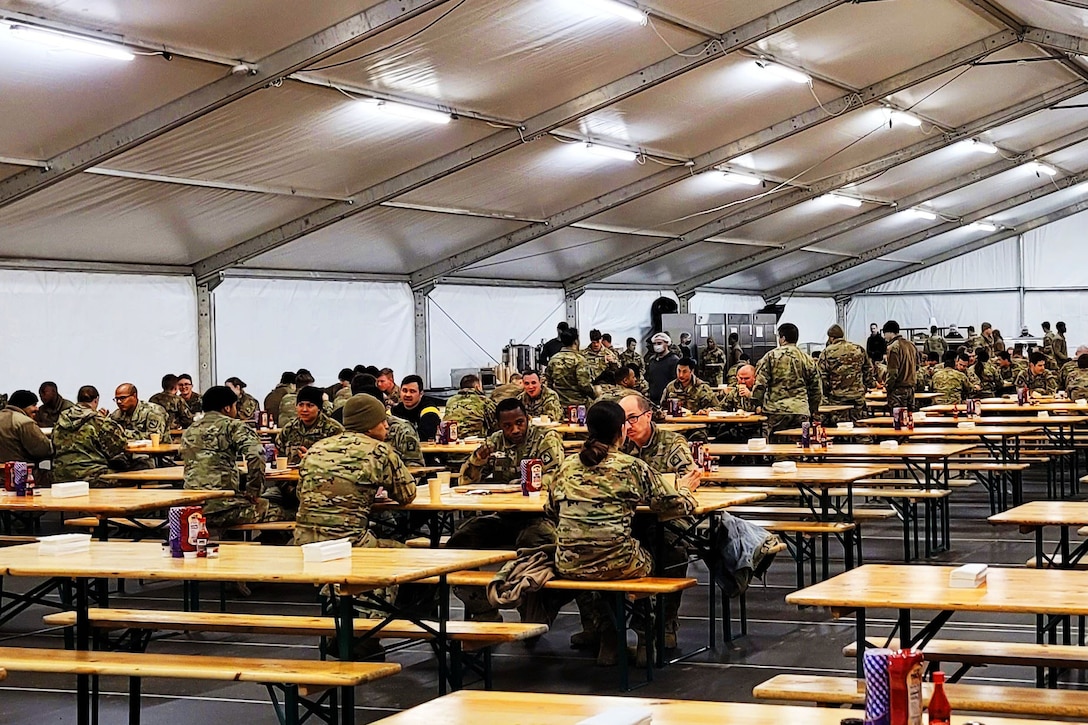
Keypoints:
(163, 449)
(1035, 516)
(723, 418)
(707, 501)
(176, 474)
(471, 707)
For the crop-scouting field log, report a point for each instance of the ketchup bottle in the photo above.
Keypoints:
(940, 713)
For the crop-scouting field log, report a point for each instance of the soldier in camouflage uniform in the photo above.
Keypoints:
(473, 411)
(339, 480)
(178, 414)
(693, 393)
(593, 498)
(247, 404)
(923, 382)
(498, 460)
(787, 388)
(310, 426)
(1047, 346)
(846, 374)
(974, 340)
(598, 357)
(1038, 380)
(631, 358)
(935, 343)
(1076, 380)
(189, 396)
(712, 363)
(52, 405)
(568, 373)
(210, 448)
(1060, 346)
(87, 444)
(511, 389)
(986, 375)
(139, 420)
(539, 400)
(739, 394)
(665, 452)
(950, 382)
(610, 388)
(731, 373)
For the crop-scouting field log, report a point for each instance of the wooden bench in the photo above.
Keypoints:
(861, 513)
(800, 539)
(158, 526)
(629, 596)
(970, 654)
(250, 531)
(295, 678)
(423, 542)
(826, 690)
(465, 636)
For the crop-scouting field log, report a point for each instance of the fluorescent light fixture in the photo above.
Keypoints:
(403, 110)
(922, 213)
(983, 226)
(981, 146)
(842, 200)
(782, 71)
(740, 178)
(617, 9)
(63, 41)
(1041, 168)
(902, 117)
(611, 152)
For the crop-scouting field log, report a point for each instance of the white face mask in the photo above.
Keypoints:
(659, 347)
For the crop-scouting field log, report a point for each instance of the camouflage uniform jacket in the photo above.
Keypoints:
(340, 397)
(733, 400)
(787, 383)
(902, 364)
(338, 481)
(990, 381)
(924, 379)
(296, 435)
(404, 439)
(1047, 349)
(248, 407)
(505, 391)
(665, 452)
(696, 396)
(392, 397)
(195, 403)
(289, 412)
(20, 438)
(1019, 367)
(473, 412)
(937, 344)
(1045, 384)
(633, 359)
(178, 414)
(975, 342)
(504, 465)
(846, 372)
(1063, 379)
(145, 419)
(210, 448)
(595, 508)
(713, 365)
(48, 416)
(951, 385)
(571, 378)
(1076, 384)
(547, 403)
(273, 399)
(85, 444)
(615, 393)
(599, 361)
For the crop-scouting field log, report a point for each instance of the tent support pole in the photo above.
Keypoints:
(423, 335)
(205, 329)
(571, 300)
(841, 305)
(1020, 290)
(685, 301)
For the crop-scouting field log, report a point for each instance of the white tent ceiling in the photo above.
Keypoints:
(294, 172)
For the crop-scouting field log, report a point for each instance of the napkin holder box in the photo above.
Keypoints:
(63, 544)
(889, 445)
(968, 576)
(784, 467)
(621, 716)
(326, 550)
(70, 489)
(757, 444)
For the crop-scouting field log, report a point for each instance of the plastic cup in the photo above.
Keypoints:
(434, 486)
(156, 439)
(443, 478)
(281, 463)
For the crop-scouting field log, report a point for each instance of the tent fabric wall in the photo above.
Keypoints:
(470, 325)
(96, 329)
(1051, 253)
(987, 268)
(1000, 309)
(266, 326)
(1053, 306)
(812, 315)
(622, 313)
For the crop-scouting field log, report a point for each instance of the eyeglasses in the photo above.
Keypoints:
(119, 398)
(632, 419)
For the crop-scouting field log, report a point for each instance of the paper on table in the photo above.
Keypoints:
(784, 467)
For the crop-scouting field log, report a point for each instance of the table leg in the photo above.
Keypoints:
(83, 642)
(443, 642)
(859, 626)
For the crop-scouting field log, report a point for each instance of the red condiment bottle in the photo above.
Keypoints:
(940, 713)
